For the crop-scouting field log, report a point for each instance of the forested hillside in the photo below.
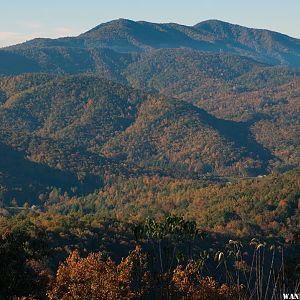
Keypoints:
(265, 207)
(150, 161)
(97, 129)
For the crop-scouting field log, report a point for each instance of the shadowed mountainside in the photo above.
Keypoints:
(24, 180)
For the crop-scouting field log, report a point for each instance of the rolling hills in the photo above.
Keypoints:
(133, 98)
(93, 127)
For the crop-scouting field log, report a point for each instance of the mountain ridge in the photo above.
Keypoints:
(127, 36)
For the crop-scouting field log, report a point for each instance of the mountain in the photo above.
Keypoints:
(194, 128)
(133, 98)
(94, 129)
(193, 76)
(188, 74)
(124, 38)
(262, 45)
(171, 135)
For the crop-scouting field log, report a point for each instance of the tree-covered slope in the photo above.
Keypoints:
(266, 206)
(271, 110)
(217, 105)
(94, 127)
(174, 135)
(187, 74)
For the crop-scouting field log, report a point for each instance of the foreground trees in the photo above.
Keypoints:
(97, 277)
(166, 259)
(23, 255)
(94, 277)
(172, 266)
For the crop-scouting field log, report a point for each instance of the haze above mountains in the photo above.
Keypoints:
(130, 98)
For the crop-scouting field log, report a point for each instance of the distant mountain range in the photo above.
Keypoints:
(123, 37)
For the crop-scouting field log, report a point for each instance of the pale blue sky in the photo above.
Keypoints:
(22, 20)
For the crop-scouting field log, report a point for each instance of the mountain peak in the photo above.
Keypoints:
(121, 22)
(212, 22)
(128, 36)
(217, 26)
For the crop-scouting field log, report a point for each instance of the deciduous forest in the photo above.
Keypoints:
(151, 161)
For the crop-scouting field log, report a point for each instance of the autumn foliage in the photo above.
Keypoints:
(96, 277)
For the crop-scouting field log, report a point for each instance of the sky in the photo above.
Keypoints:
(22, 20)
